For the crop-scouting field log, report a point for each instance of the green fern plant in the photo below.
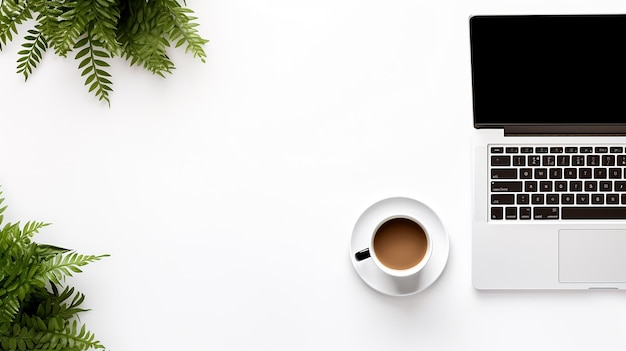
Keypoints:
(140, 31)
(37, 312)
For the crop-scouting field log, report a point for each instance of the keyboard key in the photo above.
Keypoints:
(593, 160)
(545, 186)
(541, 150)
(504, 173)
(541, 173)
(556, 173)
(608, 160)
(617, 149)
(591, 186)
(519, 161)
(502, 199)
(590, 212)
(582, 199)
(548, 161)
(534, 160)
(525, 173)
(599, 173)
(552, 199)
(562, 161)
(525, 213)
(575, 185)
(597, 199)
(567, 199)
(537, 199)
(497, 150)
(612, 199)
(500, 160)
(523, 199)
(506, 186)
(530, 186)
(526, 150)
(560, 186)
(546, 213)
(497, 213)
(606, 186)
(556, 150)
(602, 149)
(585, 173)
(586, 149)
(571, 173)
(578, 160)
(620, 186)
(615, 173)
(571, 150)
(511, 213)
(512, 150)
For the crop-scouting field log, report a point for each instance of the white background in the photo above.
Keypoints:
(226, 193)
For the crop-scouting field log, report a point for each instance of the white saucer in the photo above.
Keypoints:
(361, 237)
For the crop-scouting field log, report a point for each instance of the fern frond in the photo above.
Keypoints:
(72, 23)
(51, 305)
(12, 14)
(60, 335)
(106, 14)
(143, 37)
(48, 14)
(80, 338)
(32, 227)
(13, 243)
(18, 279)
(184, 29)
(45, 251)
(140, 31)
(18, 338)
(9, 307)
(2, 208)
(92, 55)
(34, 315)
(61, 265)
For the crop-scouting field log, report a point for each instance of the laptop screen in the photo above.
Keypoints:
(548, 69)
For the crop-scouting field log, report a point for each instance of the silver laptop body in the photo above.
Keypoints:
(549, 177)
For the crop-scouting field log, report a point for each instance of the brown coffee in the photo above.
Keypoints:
(400, 243)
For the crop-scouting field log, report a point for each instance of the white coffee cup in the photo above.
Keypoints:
(400, 246)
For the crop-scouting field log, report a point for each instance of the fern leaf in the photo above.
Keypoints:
(9, 307)
(72, 23)
(12, 14)
(2, 210)
(44, 251)
(18, 338)
(78, 338)
(106, 15)
(48, 14)
(61, 265)
(143, 37)
(184, 29)
(32, 227)
(91, 54)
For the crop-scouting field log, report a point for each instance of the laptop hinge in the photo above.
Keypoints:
(615, 130)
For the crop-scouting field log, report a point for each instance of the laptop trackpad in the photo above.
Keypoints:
(592, 256)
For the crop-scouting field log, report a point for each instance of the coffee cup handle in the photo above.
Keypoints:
(363, 254)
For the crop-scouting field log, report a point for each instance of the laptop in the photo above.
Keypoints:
(549, 148)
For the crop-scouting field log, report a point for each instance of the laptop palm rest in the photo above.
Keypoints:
(592, 256)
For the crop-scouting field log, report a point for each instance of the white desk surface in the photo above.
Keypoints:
(226, 194)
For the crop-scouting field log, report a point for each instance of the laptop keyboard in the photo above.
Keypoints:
(548, 182)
